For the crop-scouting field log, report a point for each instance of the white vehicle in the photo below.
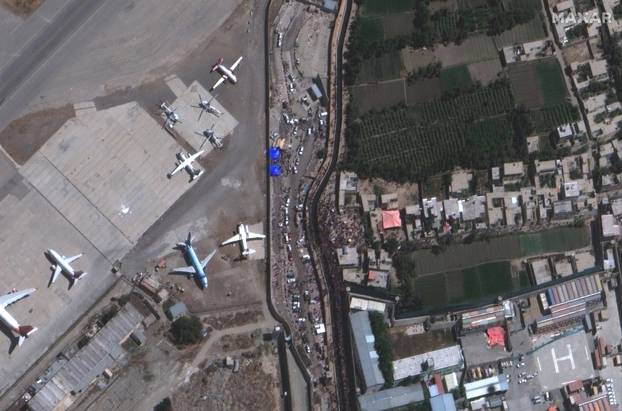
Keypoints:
(61, 264)
(301, 150)
(210, 136)
(185, 162)
(23, 331)
(170, 115)
(279, 39)
(206, 106)
(243, 235)
(226, 73)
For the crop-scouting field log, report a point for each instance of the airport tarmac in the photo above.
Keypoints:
(93, 188)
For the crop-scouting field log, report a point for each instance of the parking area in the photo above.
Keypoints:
(94, 188)
(193, 123)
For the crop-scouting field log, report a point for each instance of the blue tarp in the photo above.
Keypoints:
(275, 170)
(275, 153)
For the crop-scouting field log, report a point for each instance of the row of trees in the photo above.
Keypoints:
(382, 344)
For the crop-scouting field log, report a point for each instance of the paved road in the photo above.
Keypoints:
(39, 49)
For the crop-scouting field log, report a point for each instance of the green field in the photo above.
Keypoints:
(380, 7)
(384, 67)
(456, 77)
(406, 143)
(551, 81)
(471, 284)
(371, 29)
(547, 118)
(509, 247)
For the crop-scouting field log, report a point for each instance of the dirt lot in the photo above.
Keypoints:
(422, 91)
(413, 59)
(405, 345)
(219, 322)
(378, 96)
(472, 50)
(217, 388)
(24, 136)
(485, 71)
(407, 193)
(576, 53)
(22, 7)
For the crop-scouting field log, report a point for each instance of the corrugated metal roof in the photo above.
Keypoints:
(100, 353)
(391, 398)
(364, 342)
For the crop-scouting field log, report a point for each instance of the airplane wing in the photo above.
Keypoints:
(253, 236)
(219, 82)
(9, 299)
(183, 270)
(72, 259)
(205, 261)
(195, 156)
(57, 271)
(178, 168)
(232, 240)
(235, 65)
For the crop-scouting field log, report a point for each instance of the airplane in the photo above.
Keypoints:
(225, 72)
(172, 117)
(185, 161)
(61, 265)
(23, 331)
(242, 236)
(196, 267)
(206, 106)
(209, 135)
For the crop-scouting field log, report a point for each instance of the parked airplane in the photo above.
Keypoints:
(242, 236)
(210, 136)
(172, 117)
(206, 106)
(196, 267)
(225, 72)
(62, 265)
(185, 161)
(23, 331)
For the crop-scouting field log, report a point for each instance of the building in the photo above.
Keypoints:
(365, 304)
(610, 226)
(391, 219)
(176, 311)
(389, 201)
(513, 172)
(366, 355)
(443, 402)
(369, 202)
(378, 279)
(440, 361)
(348, 188)
(460, 182)
(479, 320)
(486, 386)
(78, 372)
(353, 275)
(348, 257)
(391, 399)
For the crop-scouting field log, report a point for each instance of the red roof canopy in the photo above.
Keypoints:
(391, 219)
(496, 336)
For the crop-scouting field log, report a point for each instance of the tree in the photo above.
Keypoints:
(186, 330)
(164, 405)
(391, 245)
(382, 344)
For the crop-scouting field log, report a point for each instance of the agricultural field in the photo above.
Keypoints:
(456, 77)
(521, 33)
(413, 59)
(508, 247)
(385, 67)
(371, 29)
(378, 96)
(381, 7)
(548, 118)
(423, 91)
(485, 71)
(397, 25)
(471, 130)
(538, 83)
(473, 49)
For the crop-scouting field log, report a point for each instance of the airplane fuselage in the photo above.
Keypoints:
(66, 268)
(9, 320)
(191, 255)
(243, 232)
(224, 70)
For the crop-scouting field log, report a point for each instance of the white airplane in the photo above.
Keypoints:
(62, 265)
(185, 161)
(209, 135)
(206, 106)
(23, 331)
(225, 72)
(172, 117)
(242, 236)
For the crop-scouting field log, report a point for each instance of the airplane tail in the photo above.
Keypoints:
(248, 252)
(24, 332)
